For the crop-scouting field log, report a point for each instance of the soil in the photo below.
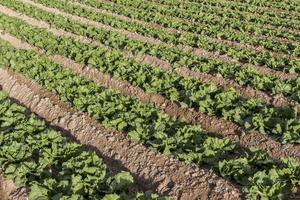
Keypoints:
(9, 191)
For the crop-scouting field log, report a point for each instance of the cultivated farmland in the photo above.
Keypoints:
(149, 99)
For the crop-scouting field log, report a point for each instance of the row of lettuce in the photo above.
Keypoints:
(260, 175)
(233, 8)
(285, 6)
(211, 15)
(243, 76)
(205, 42)
(267, 83)
(203, 24)
(52, 166)
(251, 114)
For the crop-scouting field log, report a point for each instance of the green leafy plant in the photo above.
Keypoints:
(52, 166)
(142, 122)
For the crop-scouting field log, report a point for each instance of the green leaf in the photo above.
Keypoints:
(121, 181)
(38, 193)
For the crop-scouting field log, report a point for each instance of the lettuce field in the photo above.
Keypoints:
(149, 99)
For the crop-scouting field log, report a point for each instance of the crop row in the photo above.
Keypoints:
(235, 9)
(204, 42)
(214, 16)
(52, 166)
(267, 83)
(206, 25)
(249, 113)
(208, 98)
(255, 170)
(282, 5)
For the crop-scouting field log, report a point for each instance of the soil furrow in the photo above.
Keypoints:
(9, 190)
(155, 172)
(214, 125)
(198, 52)
(247, 92)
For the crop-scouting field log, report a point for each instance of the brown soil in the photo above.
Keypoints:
(213, 125)
(9, 191)
(152, 171)
(195, 51)
(247, 92)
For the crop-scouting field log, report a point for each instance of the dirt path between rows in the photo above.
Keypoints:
(196, 51)
(9, 191)
(152, 171)
(246, 92)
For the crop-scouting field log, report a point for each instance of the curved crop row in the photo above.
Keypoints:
(241, 54)
(209, 99)
(235, 8)
(264, 82)
(212, 16)
(52, 166)
(283, 5)
(144, 123)
(211, 26)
